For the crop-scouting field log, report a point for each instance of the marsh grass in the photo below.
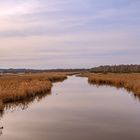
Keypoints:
(20, 86)
(1, 107)
(24, 104)
(130, 82)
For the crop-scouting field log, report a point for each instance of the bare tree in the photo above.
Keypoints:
(116, 69)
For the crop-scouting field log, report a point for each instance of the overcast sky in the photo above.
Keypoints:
(69, 33)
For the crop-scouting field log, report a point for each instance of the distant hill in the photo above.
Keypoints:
(37, 70)
(116, 69)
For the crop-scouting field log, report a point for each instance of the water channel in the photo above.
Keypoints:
(74, 110)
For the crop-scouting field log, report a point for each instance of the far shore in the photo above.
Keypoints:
(129, 81)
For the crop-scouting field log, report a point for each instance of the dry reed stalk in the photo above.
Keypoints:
(21, 86)
(131, 82)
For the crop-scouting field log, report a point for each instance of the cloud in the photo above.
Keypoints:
(51, 33)
(49, 17)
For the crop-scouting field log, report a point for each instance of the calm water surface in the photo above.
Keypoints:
(75, 110)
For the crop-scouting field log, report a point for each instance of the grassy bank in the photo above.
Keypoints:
(20, 86)
(130, 81)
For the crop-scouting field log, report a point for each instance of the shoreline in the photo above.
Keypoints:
(20, 87)
(130, 82)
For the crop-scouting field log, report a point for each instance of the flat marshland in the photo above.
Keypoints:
(130, 81)
(15, 87)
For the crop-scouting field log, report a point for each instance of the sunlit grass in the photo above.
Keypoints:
(21, 86)
(131, 81)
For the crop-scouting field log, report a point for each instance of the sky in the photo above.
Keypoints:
(48, 34)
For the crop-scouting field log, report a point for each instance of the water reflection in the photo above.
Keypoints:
(134, 95)
(79, 111)
(20, 105)
(24, 104)
(1, 128)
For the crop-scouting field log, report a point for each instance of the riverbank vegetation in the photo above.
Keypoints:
(130, 81)
(14, 87)
(25, 84)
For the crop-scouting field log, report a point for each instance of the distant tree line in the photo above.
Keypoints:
(116, 69)
(11, 70)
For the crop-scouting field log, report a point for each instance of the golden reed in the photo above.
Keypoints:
(21, 86)
(131, 81)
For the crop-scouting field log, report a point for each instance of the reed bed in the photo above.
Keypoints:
(20, 86)
(131, 81)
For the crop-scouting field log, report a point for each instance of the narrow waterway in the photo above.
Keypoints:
(74, 110)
